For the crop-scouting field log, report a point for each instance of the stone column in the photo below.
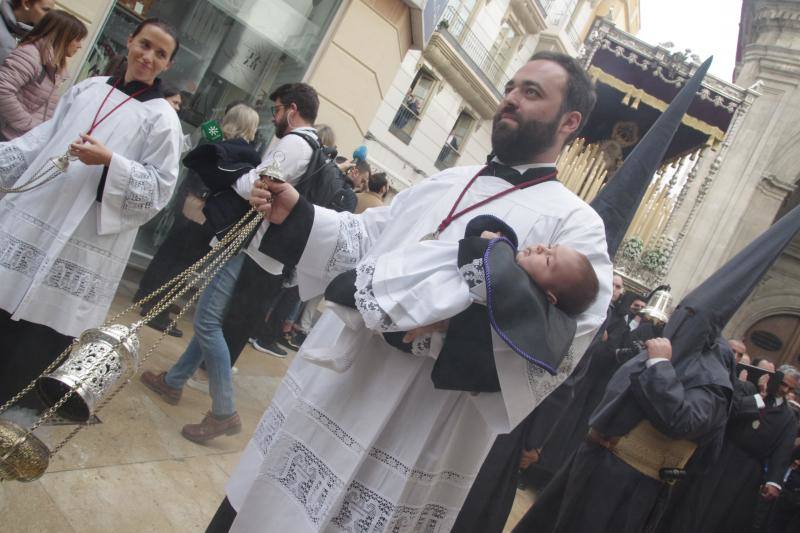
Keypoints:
(737, 193)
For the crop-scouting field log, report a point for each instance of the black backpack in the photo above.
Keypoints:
(323, 184)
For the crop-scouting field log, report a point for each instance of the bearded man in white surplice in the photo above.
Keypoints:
(376, 447)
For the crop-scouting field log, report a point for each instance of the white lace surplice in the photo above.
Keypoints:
(376, 447)
(62, 253)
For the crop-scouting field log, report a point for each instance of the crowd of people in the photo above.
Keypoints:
(474, 335)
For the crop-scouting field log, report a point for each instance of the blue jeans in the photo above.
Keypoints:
(208, 343)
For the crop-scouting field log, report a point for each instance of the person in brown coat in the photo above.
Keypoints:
(377, 186)
(32, 73)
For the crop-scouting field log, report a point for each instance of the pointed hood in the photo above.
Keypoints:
(703, 313)
(617, 202)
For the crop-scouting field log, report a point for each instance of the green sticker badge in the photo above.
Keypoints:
(211, 130)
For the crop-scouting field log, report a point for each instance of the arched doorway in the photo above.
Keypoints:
(776, 338)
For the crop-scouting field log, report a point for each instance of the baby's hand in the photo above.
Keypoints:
(491, 235)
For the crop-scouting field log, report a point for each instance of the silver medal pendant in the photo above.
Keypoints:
(430, 236)
(756, 424)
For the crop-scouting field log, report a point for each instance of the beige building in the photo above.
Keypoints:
(755, 177)
(437, 112)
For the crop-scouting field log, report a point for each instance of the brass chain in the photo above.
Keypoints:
(219, 254)
(172, 284)
(207, 275)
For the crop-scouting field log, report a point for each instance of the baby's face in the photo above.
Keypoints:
(551, 267)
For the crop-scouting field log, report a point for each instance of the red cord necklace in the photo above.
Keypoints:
(96, 122)
(452, 215)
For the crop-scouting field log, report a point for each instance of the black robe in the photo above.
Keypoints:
(491, 496)
(597, 492)
(724, 498)
(602, 360)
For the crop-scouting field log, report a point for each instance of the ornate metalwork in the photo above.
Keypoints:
(103, 358)
(23, 456)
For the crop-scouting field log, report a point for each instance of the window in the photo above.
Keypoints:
(455, 142)
(408, 116)
(504, 48)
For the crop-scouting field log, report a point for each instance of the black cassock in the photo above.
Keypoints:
(598, 492)
(724, 498)
(491, 497)
(588, 384)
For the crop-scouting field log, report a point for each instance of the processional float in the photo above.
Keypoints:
(98, 364)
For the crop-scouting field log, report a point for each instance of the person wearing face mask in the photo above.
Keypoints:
(31, 75)
(66, 243)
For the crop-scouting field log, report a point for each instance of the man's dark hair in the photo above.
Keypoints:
(340, 159)
(377, 182)
(580, 294)
(579, 94)
(363, 166)
(302, 95)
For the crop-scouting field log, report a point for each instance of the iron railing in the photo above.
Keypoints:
(405, 121)
(470, 46)
(447, 157)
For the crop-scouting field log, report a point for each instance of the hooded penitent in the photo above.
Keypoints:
(695, 326)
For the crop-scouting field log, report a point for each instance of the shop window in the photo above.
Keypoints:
(455, 142)
(414, 103)
(230, 51)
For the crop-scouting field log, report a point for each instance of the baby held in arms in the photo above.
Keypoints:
(564, 275)
(443, 299)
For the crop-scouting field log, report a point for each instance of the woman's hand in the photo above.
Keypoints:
(90, 151)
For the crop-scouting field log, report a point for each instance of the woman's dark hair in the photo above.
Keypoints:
(58, 29)
(168, 29)
(168, 89)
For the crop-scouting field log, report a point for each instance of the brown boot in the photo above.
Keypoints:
(212, 427)
(155, 382)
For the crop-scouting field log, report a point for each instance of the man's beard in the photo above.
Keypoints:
(281, 128)
(520, 145)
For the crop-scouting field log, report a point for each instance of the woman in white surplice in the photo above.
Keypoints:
(64, 245)
(376, 448)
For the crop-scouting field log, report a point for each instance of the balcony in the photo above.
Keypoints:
(561, 34)
(532, 13)
(464, 61)
(405, 122)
